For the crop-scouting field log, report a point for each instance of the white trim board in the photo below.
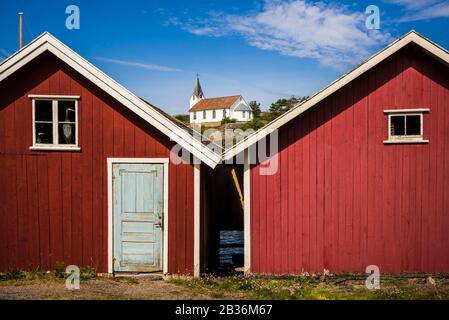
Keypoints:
(110, 162)
(247, 212)
(47, 42)
(411, 37)
(197, 221)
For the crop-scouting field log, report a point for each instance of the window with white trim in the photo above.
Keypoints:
(406, 126)
(55, 123)
(214, 114)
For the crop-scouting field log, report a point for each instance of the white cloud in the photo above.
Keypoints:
(329, 33)
(422, 10)
(138, 65)
(412, 4)
(4, 54)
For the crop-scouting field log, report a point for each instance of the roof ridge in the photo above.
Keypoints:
(238, 95)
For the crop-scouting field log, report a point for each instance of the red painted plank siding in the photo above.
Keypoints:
(342, 199)
(54, 204)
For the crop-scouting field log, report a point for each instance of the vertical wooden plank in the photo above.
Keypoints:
(291, 163)
(441, 167)
(320, 195)
(349, 177)
(20, 122)
(10, 207)
(44, 216)
(129, 136)
(445, 223)
(87, 172)
(3, 214)
(98, 183)
(256, 244)
(425, 171)
(189, 221)
(283, 198)
(33, 209)
(328, 161)
(357, 180)
(313, 193)
(55, 206)
(271, 221)
(181, 219)
(107, 137)
(77, 184)
(23, 221)
(261, 197)
(139, 141)
(306, 197)
(371, 171)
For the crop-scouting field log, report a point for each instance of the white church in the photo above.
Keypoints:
(210, 111)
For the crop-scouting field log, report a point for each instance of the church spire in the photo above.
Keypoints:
(197, 94)
(197, 91)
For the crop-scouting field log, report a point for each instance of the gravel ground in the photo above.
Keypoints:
(98, 289)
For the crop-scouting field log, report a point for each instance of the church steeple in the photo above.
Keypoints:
(197, 94)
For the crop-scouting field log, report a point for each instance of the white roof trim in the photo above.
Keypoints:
(432, 48)
(46, 42)
(236, 104)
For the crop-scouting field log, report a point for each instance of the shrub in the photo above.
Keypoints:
(35, 274)
(13, 274)
(227, 120)
(59, 270)
(87, 273)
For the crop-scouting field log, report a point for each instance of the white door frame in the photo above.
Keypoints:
(247, 211)
(110, 162)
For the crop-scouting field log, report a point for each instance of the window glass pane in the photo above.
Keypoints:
(66, 111)
(414, 125)
(66, 133)
(43, 110)
(397, 125)
(44, 133)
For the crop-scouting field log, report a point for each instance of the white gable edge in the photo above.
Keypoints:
(412, 36)
(237, 103)
(47, 42)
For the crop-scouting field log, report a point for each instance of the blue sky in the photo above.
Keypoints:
(264, 50)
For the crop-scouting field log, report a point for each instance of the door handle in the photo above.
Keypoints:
(159, 223)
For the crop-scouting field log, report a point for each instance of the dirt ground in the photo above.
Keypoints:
(49, 287)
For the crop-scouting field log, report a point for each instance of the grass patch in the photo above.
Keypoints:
(312, 288)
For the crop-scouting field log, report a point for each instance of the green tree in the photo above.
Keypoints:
(226, 120)
(283, 105)
(184, 118)
(255, 106)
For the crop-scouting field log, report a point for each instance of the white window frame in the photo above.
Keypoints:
(55, 146)
(214, 114)
(406, 138)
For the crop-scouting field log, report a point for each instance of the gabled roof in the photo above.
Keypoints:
(215, 103)
(47, 42)
(430, 47)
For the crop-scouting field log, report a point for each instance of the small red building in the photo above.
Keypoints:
(85, 171)
(362, 174)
